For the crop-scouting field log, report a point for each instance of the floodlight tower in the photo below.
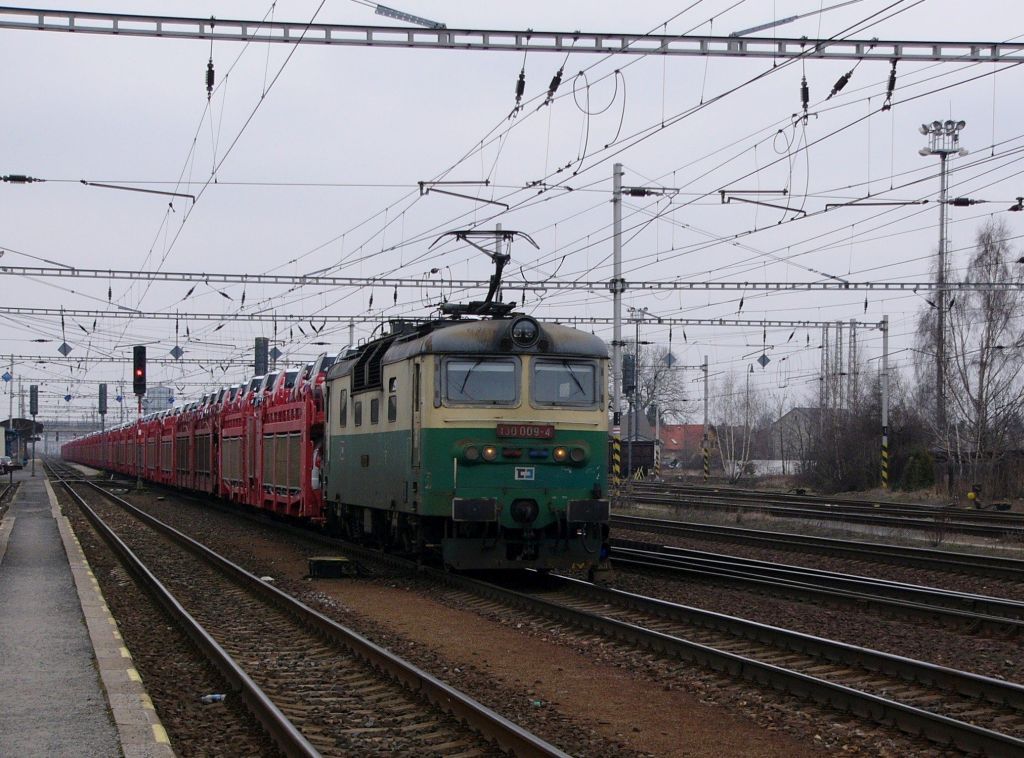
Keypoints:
(943, 141)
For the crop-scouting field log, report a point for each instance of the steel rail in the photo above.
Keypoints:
(916, 721)
(281, 730)
(995, 518)
(508, 736)
(888, 507)
(982, 565)
(938, 522)
(976, 611)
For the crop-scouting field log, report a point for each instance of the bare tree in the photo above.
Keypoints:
(986, 358)
(662, 384)
(737, 408)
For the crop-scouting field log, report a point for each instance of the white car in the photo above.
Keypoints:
(6, 464)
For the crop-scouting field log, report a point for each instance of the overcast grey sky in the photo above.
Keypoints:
(324, 174)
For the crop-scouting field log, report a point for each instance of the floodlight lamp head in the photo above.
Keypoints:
(961, 124)
(925, 151)
(936, 126)
(923, 128)
(949, 126)
(963, 151)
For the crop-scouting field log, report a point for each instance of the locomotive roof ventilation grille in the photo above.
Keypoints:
(367, 373)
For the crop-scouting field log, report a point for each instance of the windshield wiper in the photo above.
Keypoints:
(583, 392)
(469, 373)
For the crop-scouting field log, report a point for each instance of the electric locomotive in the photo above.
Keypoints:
(480, 440)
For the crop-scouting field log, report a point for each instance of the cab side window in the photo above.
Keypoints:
(343, 407)
(393, 399)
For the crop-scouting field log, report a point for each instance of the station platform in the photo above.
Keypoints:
(69, 685)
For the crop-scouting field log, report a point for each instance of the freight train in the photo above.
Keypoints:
(479, 440)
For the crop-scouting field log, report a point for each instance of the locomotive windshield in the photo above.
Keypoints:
(564, 382)
(488, 381)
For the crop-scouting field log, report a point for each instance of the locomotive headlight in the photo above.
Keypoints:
(578, 455)
(525, 332)
(560, 454)
(471, 453)
(490, 452)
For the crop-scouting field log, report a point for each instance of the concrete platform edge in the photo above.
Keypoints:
(6, 527)
(138, 726)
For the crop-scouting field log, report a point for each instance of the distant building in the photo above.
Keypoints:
(790, 439)
(158, 398)
(682, 441)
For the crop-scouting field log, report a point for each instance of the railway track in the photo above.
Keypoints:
(833, 501)
(976, 612)
(937, 560)
(317, 687)
(973, 713)
(896, 516)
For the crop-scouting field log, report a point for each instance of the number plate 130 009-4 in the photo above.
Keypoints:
(527, 431)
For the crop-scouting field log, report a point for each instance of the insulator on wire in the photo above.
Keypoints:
(521, 86)
(891, 88)
(805, 96)
(209, 79)
(840, 83)
(556, 82)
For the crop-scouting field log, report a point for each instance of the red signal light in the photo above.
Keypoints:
(139, 372)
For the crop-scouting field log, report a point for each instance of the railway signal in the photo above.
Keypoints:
(139, 370)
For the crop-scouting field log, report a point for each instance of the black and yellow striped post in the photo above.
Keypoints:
(707, 460)
(885, 461)
(616, 458)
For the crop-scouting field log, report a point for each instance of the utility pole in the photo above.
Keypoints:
(943, 141)
(634, 402)
(885, 402)
(616, 285)
(851, 367)
(705, 451)
(657, 441)
(138, 446)
(33, 408)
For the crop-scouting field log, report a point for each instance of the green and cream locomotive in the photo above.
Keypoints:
(483, 441)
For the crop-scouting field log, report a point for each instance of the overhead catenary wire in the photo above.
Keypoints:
(563, 257)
